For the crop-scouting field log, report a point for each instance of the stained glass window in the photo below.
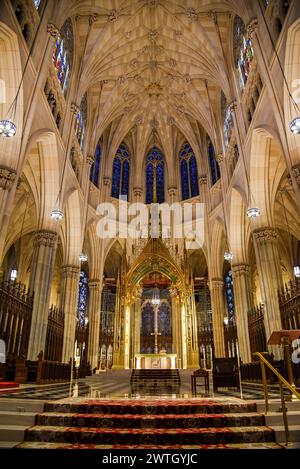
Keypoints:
(243, 50)
(229, 295)
(63, 53)
(83, 291)
(95, 168)
(189, 173)
(121, 170)
(164, 319)
(227, 120)
(80, 122)
(155, 179)
(215, 173)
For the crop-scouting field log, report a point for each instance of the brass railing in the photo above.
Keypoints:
(282, 382)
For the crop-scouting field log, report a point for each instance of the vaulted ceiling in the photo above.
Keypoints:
(155, 68)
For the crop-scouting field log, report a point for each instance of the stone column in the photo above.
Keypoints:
(106, 188)
(68, 302)
(218, 314)
(43, 259)
(94, 308)
(7, 179)
(243, 302)
(270, 277)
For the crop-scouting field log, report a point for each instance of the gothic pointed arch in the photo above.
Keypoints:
(121, 172)
(214, 166)
(188, 172)
(95, 168)
(155, 176)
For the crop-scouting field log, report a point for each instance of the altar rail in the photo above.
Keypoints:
(15, 317)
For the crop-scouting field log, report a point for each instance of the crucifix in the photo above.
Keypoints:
(155, 333)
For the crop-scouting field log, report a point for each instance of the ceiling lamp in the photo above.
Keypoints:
(253, 212)
(7, 128)
(155, 298)
(57, 214)
(295, 125)
(228, 256)
(83, 257)
(226, 321)
(297, 271)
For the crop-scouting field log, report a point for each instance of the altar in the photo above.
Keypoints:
(160, 361)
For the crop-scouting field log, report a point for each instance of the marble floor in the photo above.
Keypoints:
(116, 384)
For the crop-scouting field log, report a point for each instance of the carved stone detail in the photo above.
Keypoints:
(70, 271)
(191, 13)
(241, 269)
(265, 235)
(113, 15)
(95, 284)
(137, 191)
(7, 177)
(45, 238)
(107, 181)
(216, 283)
(252, 27)
(172, 191)
(75, 109)
(202, 180)
(220, 158)
(296, 173)
(52, 30)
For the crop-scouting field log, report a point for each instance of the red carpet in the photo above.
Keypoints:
(8, 384)
(180, 423)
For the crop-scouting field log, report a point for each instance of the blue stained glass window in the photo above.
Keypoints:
(95, 168)
(83, 291)
(213, 164)
(189, 172)
(121, 172)
(164, 319)
(63, 53)
(243, 51)
(155, 176)
(229, 295)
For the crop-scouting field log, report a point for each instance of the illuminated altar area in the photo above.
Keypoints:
(160, 361)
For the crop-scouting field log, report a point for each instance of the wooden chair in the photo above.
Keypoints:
(225, 373)
(200, 374)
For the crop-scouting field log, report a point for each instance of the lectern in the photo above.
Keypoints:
(285, 338)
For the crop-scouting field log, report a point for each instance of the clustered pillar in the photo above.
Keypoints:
(218, 314)
(69, 299)
(94, 321)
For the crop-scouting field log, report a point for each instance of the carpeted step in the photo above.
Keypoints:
(46, 445)
(151, 407)
(150, 436)
(150, 421)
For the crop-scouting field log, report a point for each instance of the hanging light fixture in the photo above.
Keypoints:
(83, 257)
(7, 128)
(295, 125)
(57, 214)
(253, 212)
(155, 296)
(297, 271)
(228, 256)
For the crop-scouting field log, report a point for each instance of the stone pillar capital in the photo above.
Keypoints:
(220, 158)
(107, 181)
(216, 283)
(172, 191)
(296, 173)
(90, 160)
(7, 177)
(137, 191)
(202, 180)
(252, 27)
(265, 235)
(240, 269)
(45, 238)
(95, 284)
(75, 109)
(52, 30)
(70, 271)
(232, 106)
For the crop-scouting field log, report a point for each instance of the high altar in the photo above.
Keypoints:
(159, 361)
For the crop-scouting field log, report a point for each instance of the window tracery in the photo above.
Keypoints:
(121, 172)
(155, 190)
(189, 172)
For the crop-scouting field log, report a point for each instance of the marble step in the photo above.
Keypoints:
(21, 405)
(12, 432)
(17, 418)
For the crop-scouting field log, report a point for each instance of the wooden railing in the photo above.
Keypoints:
(15, 317)
(55, 334)
(52, 371)
(257, 332)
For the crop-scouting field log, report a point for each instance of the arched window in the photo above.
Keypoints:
(229, 295)
(83, 291)
(95, 168)
(215, 173)
(80, 122)
(227, 120)
(63, 53)
(155, 180)
(243, 50)
(121, 170)
(189, 173)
